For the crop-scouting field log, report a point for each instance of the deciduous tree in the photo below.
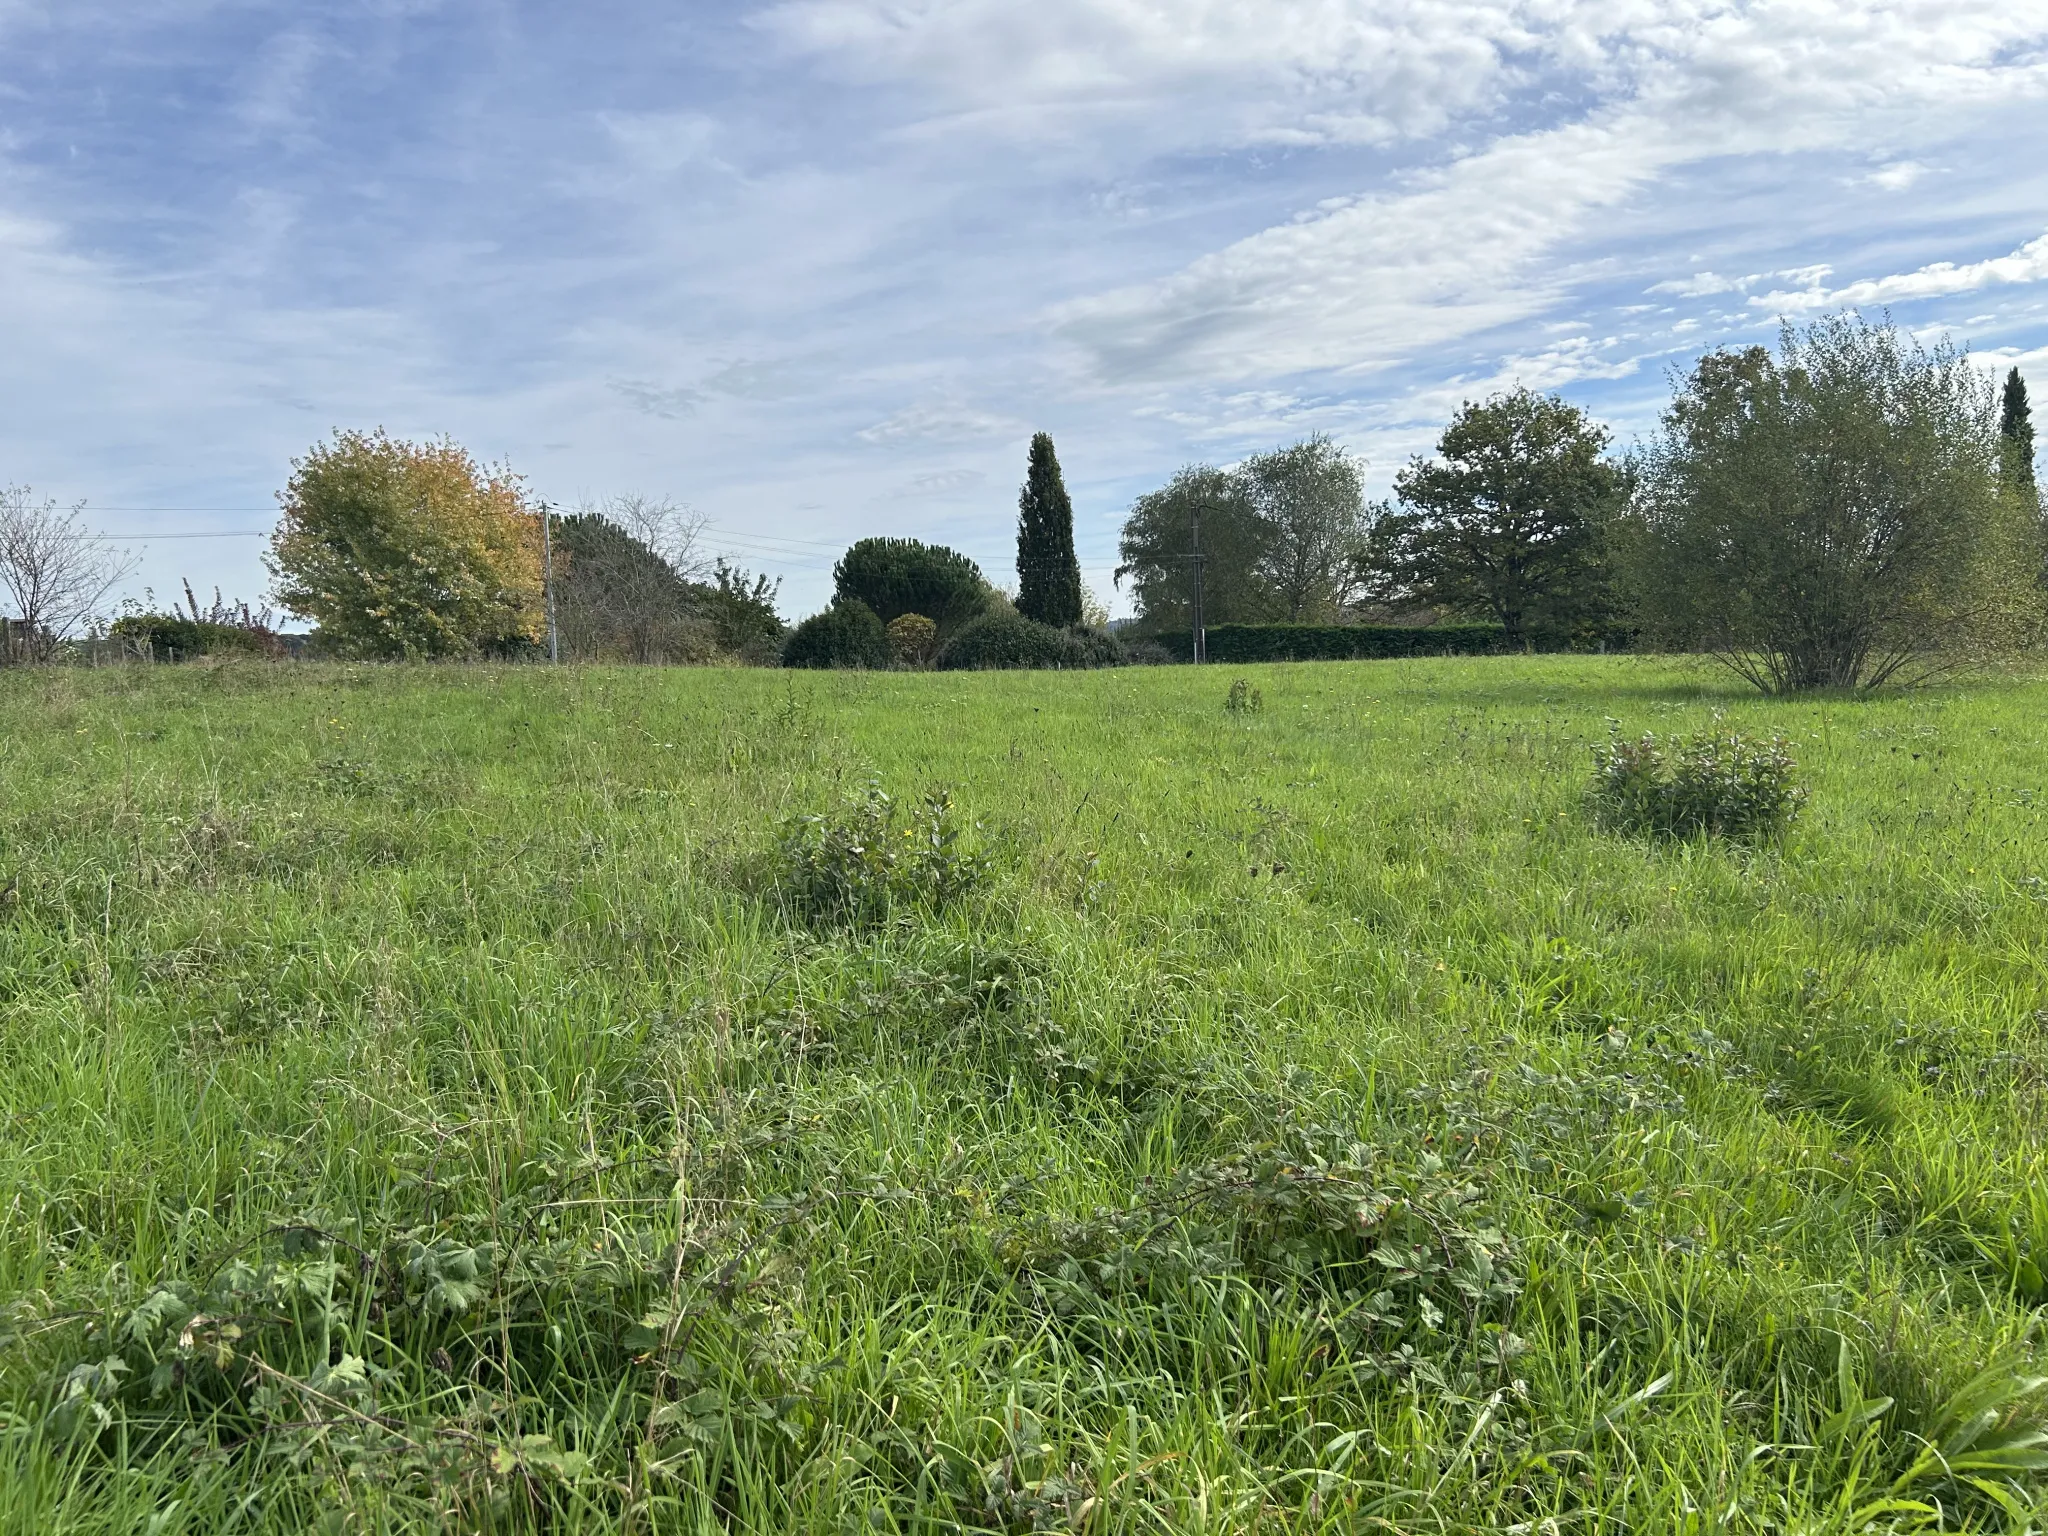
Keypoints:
(1507, 522)
(1309, 500)
(1159, 539)
(57, 573)
(1831, 516)
(402, 549)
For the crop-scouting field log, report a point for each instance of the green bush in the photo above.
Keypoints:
(1005, 640)
(845, 635)
(1718, 785)
(869, 859)
(1240, 643)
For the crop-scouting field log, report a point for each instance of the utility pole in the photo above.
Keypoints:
(547, 547)
(1201, 645)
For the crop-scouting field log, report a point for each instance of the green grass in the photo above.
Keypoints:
(413, 1079)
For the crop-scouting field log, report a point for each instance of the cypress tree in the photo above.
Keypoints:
(1048, 575)
(2016, 435)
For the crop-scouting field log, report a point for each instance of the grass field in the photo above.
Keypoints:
(430, 1104)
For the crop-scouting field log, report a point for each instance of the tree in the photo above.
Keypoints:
(1309, 500)
(1048, 575)
(57, 574)
(2015, 433)
(1508, 523)
(405, 549)
(619, 597)
(1159, 537)
(1831, 517)
(899, 576)
(741, 608)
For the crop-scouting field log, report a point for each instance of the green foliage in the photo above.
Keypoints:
(1280, 535)
(895, 577)
(913, 639)
(1244, 699)
(740, 607)
(1723, 785)
(872, 858)
(1233, 643)
(1048, 574)
(1311, 510)
(174, 637)
(1159, 536)
(1308, 1123)
(1831, 517)
(1509, 523)
(845, 635)
(1005, 640)
(2016, 439)
(401, 549)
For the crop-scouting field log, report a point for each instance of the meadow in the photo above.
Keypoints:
(478, 1099)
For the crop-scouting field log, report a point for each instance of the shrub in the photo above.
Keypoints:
(1008, 640)
(871, 857)
(173, 637)
(845, 635)
(913, 638)
(1244, 699)
(1727, 786)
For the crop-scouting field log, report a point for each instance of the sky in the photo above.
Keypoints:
(817, 269)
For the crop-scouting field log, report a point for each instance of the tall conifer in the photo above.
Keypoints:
(2016, 435)
(1048, 575)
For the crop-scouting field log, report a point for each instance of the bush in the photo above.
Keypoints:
(869, 859)
(1727, 786)
(913, 638)
(845, 635)
(173, 637)
(1241, 643)
(1004, 640)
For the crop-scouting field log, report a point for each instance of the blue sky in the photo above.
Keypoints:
(818, 268)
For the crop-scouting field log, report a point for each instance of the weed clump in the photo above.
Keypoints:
(874, 857)
(1244, 699)
(1713, 785)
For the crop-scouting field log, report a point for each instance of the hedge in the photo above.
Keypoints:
(1339, 642)
(170, 636)
(1003, 640)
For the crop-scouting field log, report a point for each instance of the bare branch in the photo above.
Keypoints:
(56, 573)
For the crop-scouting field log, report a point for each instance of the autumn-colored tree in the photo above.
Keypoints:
(403, 549)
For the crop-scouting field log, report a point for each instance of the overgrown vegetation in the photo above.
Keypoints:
(521, 1100)
(1721, 785)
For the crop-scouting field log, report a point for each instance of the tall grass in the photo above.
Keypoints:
(424, 1110)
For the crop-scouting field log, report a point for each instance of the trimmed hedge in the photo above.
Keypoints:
(1003, 640)
(1338, 642)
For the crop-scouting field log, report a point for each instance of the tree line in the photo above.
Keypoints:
(1848, 510)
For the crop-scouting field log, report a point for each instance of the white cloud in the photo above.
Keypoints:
(1897, 176)
(1938, 279)
(1187, 71)
(1460, 251)
(941, 421)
